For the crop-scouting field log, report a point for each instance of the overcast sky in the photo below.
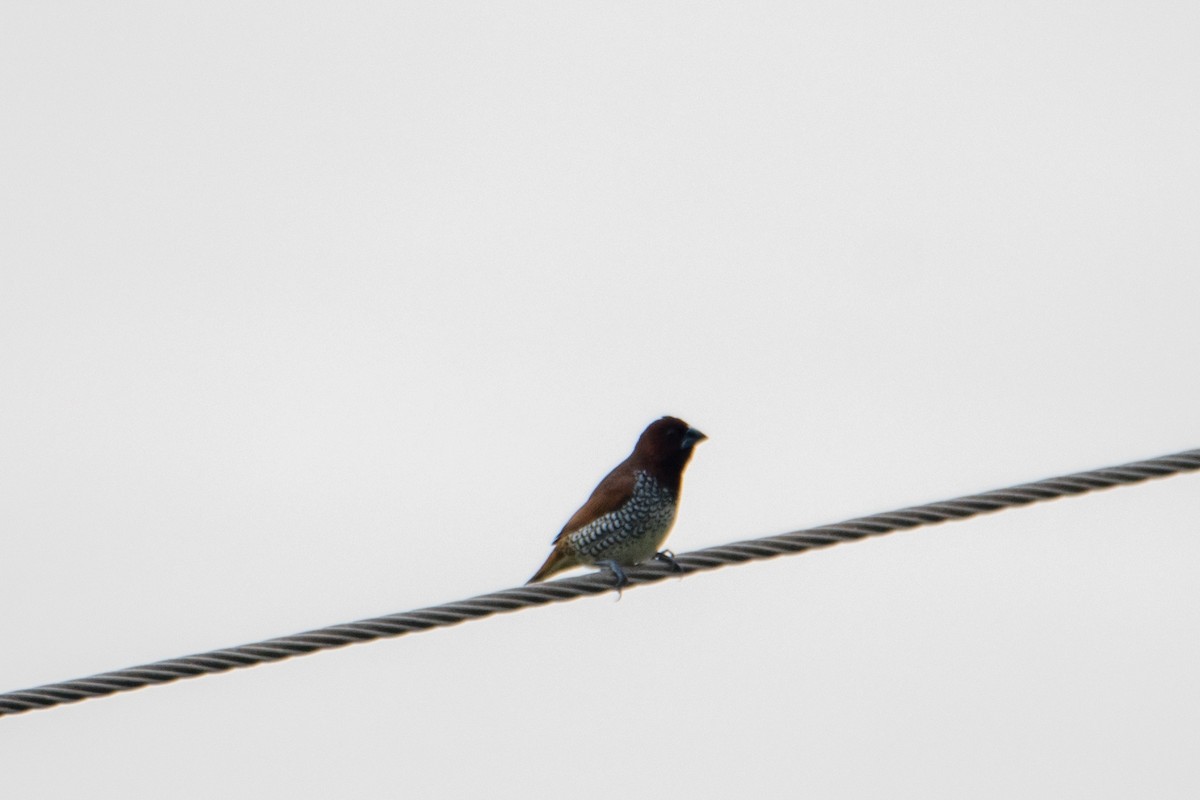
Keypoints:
(312, 312)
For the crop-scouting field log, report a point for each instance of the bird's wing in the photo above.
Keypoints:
(609, 495)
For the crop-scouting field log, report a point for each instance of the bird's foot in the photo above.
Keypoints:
(668, 558)
(620, 579)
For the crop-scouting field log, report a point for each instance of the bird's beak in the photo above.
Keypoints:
(690, 437)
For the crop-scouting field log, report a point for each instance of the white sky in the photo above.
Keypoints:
(314, 312)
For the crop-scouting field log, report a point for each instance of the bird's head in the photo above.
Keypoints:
(667, 444)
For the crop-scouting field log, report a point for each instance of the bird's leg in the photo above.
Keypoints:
(668, 558)
(620, 579)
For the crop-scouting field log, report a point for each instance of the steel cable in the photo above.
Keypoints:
(595, 583)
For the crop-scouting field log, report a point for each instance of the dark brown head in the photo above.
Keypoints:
(664, 449)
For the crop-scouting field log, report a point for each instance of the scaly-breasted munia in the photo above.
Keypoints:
(631, 511)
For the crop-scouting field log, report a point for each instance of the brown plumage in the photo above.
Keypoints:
(631, 511)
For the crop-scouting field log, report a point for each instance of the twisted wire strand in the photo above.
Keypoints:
(509, 600)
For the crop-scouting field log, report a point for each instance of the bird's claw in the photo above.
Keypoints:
(620, 579)
(668, 558)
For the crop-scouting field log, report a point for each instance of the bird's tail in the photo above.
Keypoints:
(555, 563)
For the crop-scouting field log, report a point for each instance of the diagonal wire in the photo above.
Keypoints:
(596, 583)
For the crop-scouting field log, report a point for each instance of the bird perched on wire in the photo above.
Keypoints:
(631, 511)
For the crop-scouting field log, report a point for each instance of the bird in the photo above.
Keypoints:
(631, 511)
